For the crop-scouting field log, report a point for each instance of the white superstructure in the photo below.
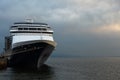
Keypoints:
(28, 31)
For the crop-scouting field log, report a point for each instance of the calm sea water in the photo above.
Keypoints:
(83, 68)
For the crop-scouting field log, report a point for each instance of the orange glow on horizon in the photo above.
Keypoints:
(109, 28)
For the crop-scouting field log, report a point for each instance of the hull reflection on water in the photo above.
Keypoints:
(44, 72)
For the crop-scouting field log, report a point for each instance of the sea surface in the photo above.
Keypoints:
(80, 68)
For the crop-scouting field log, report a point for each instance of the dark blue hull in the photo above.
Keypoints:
(30, 56)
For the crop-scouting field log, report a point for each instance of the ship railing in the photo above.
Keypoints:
(26, 50)
(14, 30)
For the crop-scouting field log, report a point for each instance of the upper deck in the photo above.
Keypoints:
(30, 27)
(35, 23)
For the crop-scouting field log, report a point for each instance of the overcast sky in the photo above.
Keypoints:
(82, 27)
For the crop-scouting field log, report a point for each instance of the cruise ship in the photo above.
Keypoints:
(30, 43)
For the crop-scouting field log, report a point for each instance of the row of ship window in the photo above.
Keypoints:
(32, 29)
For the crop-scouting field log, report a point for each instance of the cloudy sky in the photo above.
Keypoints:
(82, 27)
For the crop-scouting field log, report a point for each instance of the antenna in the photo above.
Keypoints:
(29, 20)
